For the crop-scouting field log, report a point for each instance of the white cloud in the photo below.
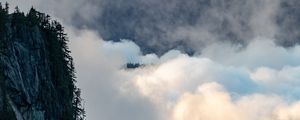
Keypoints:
(247, 90)
(100, 77)
(227, 85)
(260, 52)
(183, 73)
(285, 75)
(291, 112)
(128, 50)
(212, 102)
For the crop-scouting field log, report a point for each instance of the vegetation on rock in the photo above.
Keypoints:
(36, 69)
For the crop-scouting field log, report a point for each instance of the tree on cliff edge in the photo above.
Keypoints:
(57, 54)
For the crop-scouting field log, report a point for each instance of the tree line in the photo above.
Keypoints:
(58, 54)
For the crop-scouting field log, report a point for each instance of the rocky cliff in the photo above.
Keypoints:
(36, 71)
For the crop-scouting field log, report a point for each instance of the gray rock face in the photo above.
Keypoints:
(36, 71)
(26, 68)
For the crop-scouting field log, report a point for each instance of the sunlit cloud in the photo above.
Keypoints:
(178, 87)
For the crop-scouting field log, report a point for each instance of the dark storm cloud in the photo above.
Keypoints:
(160, 25)
(288, 19)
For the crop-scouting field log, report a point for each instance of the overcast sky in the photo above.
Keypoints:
(240, 69)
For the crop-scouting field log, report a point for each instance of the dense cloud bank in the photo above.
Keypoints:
(258, 82)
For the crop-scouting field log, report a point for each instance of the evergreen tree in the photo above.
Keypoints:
(5, 110)
(6, 7)
(58, 54)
